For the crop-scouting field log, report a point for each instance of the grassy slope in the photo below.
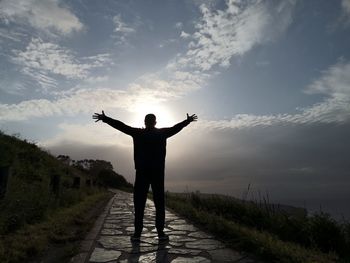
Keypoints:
(32, 216)
(249, 228)
(62, 227)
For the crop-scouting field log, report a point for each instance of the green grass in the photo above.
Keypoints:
(29, 196)
(42, 206)
(270, 234)
(39, 183)
(62, 226)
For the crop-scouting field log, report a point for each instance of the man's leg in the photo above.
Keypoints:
(140, 195)
(158, 198)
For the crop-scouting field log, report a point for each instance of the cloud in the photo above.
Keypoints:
(10, 35)
(167, 42)
(290, 161)
(121, 26)
(222, 34)
(123, 30)
(168, 84)
(329, 111)
(184, 35)
(81, 101)
(51, 58)
(242, 26)
(46, 15)
(178, 25)
(346, 6)
(97, 79)
(335, 82)
(150, 88)
(119, 156)
(94, 134)
(272, 157)
(44, 60)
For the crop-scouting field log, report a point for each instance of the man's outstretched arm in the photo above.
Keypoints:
(178, 127)
(114, 123)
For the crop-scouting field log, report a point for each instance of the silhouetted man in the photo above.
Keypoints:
(149, 157)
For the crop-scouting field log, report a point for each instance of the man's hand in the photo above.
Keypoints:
(192, 118)
(99, 117)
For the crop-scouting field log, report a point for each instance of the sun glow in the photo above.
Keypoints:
(164, 117)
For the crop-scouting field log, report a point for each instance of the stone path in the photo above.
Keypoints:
(109, 240)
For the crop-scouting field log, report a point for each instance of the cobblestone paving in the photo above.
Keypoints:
(186, 244)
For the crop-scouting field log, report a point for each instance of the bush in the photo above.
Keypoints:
(327, 234)
(318, 231)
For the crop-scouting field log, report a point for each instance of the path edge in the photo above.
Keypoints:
(88, 244)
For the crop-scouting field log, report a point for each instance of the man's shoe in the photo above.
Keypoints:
(135, 238)
(163, 237)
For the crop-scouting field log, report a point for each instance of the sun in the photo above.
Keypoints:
(164, 117)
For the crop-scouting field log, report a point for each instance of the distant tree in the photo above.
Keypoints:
(109, 178)
(102, 173)
(64, 159)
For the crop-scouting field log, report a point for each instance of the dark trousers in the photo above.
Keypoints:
(145, 178)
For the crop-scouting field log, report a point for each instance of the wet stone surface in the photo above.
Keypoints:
(103, 255)
(186, 244)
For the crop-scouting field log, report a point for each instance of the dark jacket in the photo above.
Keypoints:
(149, 144)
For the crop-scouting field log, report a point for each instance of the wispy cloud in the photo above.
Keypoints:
(329, 111)
(122, 29)
(178, 25)
(47, 15)
(50, 57)
(44, 60)
(167, 42)
(92, 135)
(81, 101)
(121, 26)
(346, 6)
(184, 35)
(334, 83)
(222, 34)
(10, 35)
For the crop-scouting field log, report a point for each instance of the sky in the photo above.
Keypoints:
(269, 81)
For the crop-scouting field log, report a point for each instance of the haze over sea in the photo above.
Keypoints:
(269, 81)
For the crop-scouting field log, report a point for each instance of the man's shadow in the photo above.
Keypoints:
(161, 254)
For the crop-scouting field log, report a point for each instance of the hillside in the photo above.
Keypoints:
(38, 189)
(275, 233)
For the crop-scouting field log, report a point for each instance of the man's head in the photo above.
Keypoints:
(150, 120)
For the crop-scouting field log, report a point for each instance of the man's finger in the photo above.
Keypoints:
(97, 120)
(103, 113)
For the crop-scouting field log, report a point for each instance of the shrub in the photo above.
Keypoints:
(318, 231)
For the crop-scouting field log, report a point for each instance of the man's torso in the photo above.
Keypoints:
(149, 149)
